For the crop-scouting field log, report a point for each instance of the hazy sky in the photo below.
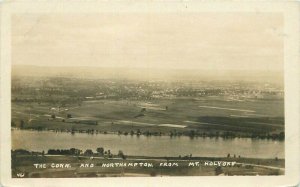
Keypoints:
(164, 40)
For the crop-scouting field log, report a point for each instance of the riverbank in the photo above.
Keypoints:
(138, 132)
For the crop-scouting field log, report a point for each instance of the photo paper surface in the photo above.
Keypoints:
(148, 91)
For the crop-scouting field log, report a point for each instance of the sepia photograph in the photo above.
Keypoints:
(147, 94)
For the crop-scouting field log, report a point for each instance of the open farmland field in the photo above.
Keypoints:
(197, 110)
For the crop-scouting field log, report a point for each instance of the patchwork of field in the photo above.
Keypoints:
(204, 114)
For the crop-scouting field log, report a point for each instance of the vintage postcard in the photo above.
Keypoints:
(149, 93)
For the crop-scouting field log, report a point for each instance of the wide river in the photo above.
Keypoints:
(148, 146)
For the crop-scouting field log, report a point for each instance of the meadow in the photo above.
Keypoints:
(160, 108)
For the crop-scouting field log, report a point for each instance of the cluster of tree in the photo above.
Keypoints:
(138, 132)
(21, 152)
(20, 124)
(102, 152)
(89, 152)
(229, 134)
(175, 133)
(274, 136)
(185, 156)
(71, 151)
(121, 154)
(234, 156)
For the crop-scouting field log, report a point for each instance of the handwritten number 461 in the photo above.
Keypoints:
(20, 175)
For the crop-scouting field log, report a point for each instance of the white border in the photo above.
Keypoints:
(289, 9)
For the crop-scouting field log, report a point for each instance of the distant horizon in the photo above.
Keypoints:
(154, 68)
(148, 73)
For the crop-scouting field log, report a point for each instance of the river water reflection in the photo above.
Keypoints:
(148, 146)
